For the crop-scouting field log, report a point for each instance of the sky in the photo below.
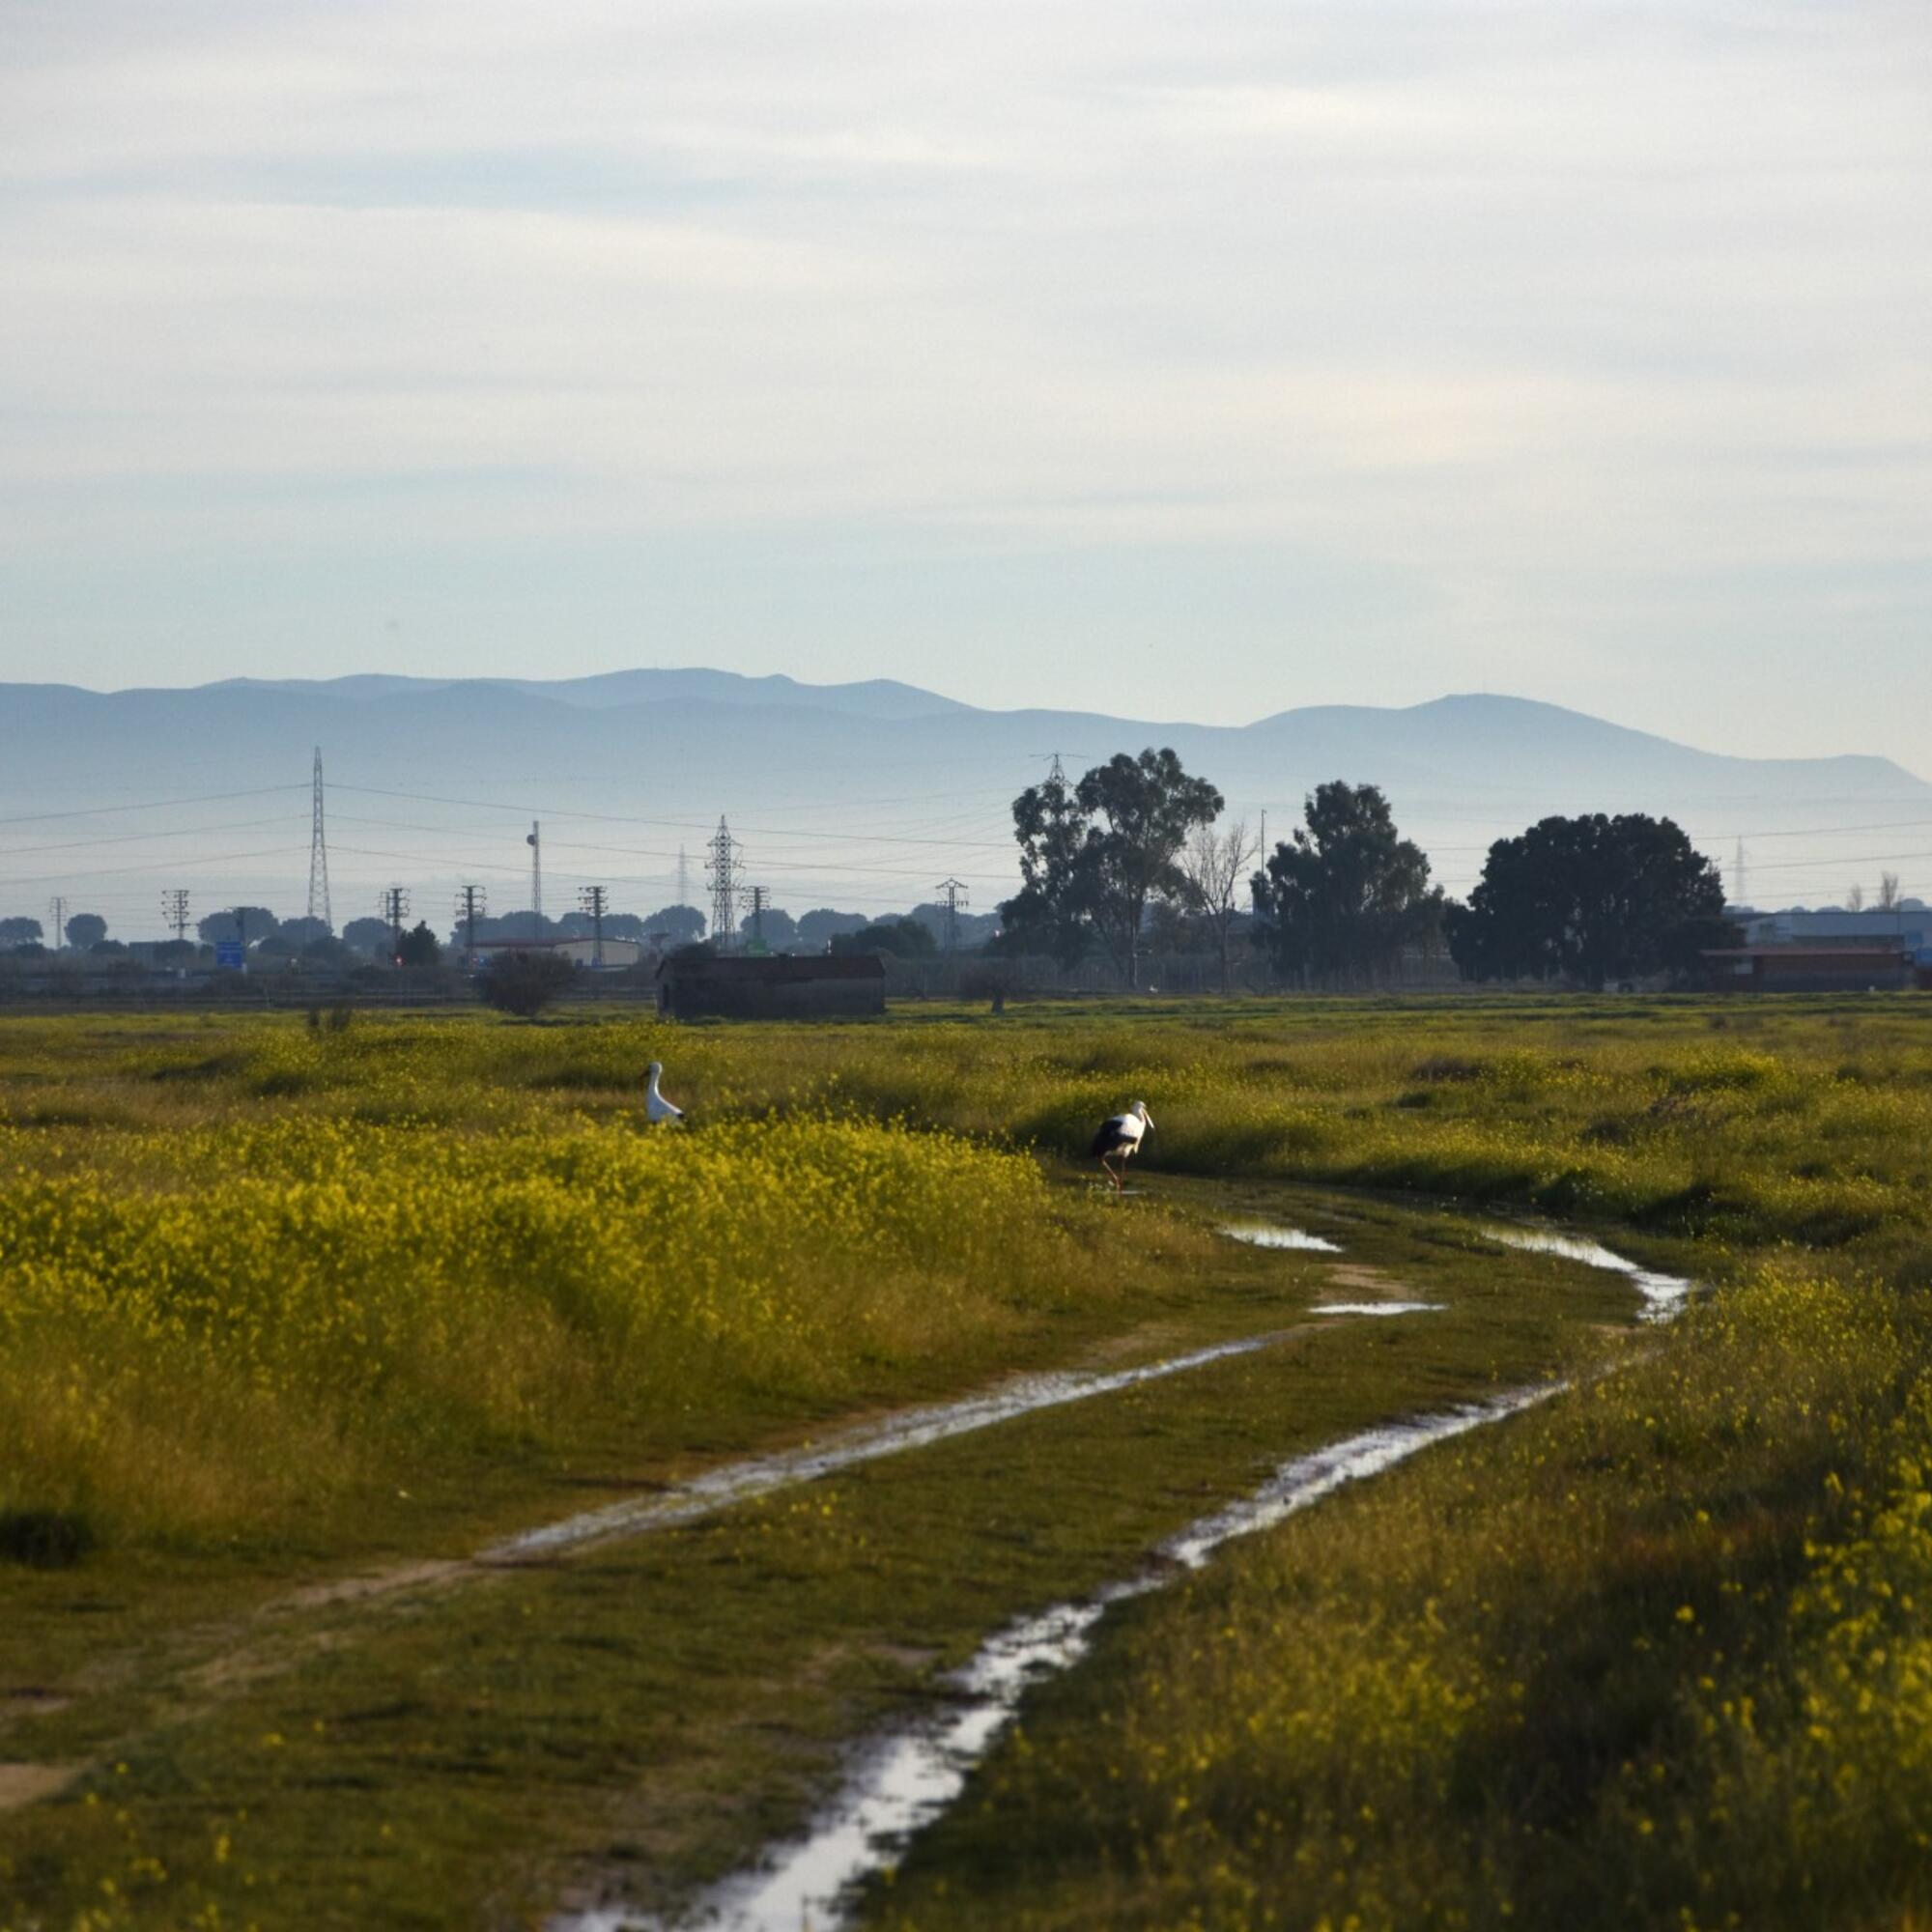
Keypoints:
(1170, 360)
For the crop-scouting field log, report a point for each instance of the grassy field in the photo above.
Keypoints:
(280, 1305)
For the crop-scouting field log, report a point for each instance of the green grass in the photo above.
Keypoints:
(277, 1304)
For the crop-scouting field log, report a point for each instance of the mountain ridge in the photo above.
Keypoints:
(892, 700)
(862, 794)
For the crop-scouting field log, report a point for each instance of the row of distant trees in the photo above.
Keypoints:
(314, 940)
(1134, 856)
(1137, 843)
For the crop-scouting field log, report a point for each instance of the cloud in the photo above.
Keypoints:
(1546, 311)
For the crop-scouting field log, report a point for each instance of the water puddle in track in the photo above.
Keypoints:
(1273, 1235)
(1664, 1295)
(905, 1780)
(1378, 1308)
(908, 1428)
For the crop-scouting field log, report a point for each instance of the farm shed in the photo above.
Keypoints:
(1807, 969)
(771, 990)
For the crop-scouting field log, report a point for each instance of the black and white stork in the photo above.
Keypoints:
(1120, 1139)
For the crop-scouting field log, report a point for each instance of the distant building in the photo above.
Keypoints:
(617, 952)
(1809, 969)
(1908, 924)
(780, 988)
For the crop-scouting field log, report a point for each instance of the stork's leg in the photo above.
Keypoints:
(1112, 1175)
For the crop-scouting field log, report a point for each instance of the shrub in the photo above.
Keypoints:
(525, 983)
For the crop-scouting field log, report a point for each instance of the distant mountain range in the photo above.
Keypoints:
(854, 794)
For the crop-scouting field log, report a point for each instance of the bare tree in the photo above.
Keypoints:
(1855, 899)
(1214, 866)
(1888, 892)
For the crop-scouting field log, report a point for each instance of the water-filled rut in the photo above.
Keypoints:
(905, 1780)
(902, 1781)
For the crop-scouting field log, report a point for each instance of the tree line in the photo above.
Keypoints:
(1134, 850)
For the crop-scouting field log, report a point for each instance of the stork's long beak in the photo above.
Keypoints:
(1147, 1121)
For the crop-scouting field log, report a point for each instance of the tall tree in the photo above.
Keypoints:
(20, 931)
(86, 929)
(252, 923)
(1590, 899)
(817, 928)
(1049, 911)
(419, 947)
(1094, 856)
(1146, 808)
(1341, 899)
(369, 935)
(677, 923)
(302, 932)
(777, 927)
(1214, 866)
(903, 938)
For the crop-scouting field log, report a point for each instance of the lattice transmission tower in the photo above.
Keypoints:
(470, 905)
(724, 867)
(594, 901)
(395, 908)
(956, 897)
(318, 855)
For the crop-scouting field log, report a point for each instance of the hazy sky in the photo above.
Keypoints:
(1174, 361)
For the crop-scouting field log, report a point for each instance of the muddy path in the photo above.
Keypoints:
(897, 1784)
(902, 1781)
(935, 1561)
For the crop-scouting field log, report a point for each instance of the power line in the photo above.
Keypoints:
(163, 866)
(150, 805)
(685, 824)
(132, 837)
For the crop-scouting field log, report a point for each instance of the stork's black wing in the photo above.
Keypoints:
(1112, 1137)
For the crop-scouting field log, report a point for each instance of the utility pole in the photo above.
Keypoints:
(57, 911)
(956, 897)
(396, 907)
(683, 876)
(759, 916)
(173, 910)
(1737, 877)
(592, 899)
(468, 910)
(724, 862)
(318, 854)
(535, 843)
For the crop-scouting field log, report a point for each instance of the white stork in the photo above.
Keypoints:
(1121, 1138)
(656, 1107)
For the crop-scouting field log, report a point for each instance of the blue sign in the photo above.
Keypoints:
(229, 953)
